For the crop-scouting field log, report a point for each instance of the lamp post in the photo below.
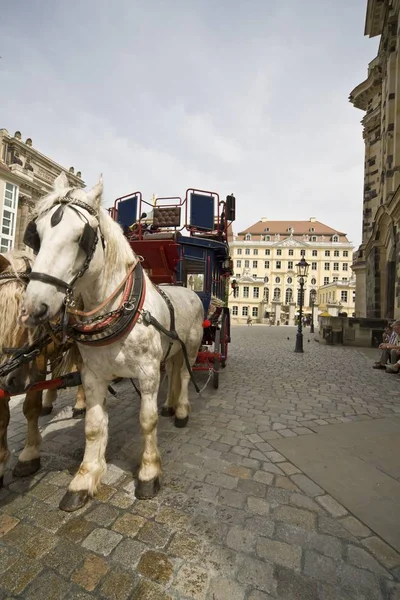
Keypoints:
(313, 295)
(302, 272)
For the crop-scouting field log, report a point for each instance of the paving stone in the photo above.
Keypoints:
(359, 582)
(22, 573)
(382, 552)
(7, 523)
(31, 541)
(102, 515)
(117, 585)
(293, 586)
(102, 541)
(319, 567)
(258, 506)
(285, 483)
(261, 477)
(222, 480)
(90, 573)
(355, 527)
(272, 468)
(129, 524)
(147, 590)
(360, 558)
(332, 506)
(156, 566)
(280, 553)
(76, 530)
(296, 516)
(303, 501)
(307, 485)
(260, 525)
(122, 500)
(64, 557)
(192, 581)
(127, 553)
(257, 595)
(185, 545)
(175, 519)
(237, 471)
(50, 586)
(252, 488)
(154, 534)
(310, 540)
(241, 540)
(222, 589)
(332, 527)
(256, 573)
(275, 457)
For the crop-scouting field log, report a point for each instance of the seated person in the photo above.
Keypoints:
(390, 350)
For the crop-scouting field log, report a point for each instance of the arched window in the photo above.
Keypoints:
(266, 294)
(288, 296)
(313, 297)
(247, 237)
(267, 238)
(335, 238)
(277, 294)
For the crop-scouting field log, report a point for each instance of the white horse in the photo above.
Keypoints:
(81, 246)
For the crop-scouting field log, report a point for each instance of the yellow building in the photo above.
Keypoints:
(337, 297)
(376, 264)
(264, 262)
(25, 176)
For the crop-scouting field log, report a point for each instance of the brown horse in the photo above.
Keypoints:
(14, 268)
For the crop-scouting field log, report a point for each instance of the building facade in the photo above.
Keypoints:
(264, 262)
(337, 298)
(25, 176)
(377, 260)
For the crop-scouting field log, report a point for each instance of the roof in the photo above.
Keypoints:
(299, 228)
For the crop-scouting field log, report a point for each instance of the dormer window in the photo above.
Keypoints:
(266, 229)
(267, 238)
(247, 237)
(313, 238)
(311, 230)
(335, 238)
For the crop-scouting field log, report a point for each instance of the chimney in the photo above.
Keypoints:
(312, 219)
(264, 219)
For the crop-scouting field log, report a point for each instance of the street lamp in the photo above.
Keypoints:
(302, 272)
(313, 295)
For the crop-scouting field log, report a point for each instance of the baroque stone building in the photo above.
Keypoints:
(264, 262)
(25, 176)
(377, 261)
(337, 297)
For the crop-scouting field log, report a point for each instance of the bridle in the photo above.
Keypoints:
(87, 242)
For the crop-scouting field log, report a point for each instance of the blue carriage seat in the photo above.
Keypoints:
(202, 212)
(127, 212)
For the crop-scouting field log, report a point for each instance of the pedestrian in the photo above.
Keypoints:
(390, 350)
(249, 321)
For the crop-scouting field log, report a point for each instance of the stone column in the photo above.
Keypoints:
(277, 304)
(292, 313)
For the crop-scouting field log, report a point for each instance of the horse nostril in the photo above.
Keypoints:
(42, 310)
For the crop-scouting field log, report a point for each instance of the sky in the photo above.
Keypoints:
(235, 96)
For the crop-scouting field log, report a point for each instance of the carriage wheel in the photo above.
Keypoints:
(217, 362)
(224, 339)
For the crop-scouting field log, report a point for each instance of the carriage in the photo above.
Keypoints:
(185, 242)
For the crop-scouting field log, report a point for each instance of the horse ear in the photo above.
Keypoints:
(4, 263)
(60, 182)
(94, 195)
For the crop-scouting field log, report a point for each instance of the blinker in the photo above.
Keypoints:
(57, 216)
(31, 237)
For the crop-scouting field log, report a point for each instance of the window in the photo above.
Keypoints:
(254, 311)
(277, 279)
(326, 280)
(291, 252)
(289, 280)
(345, 253)
(313, 281)
(267, 238)
(256, 292)
(266, 294)
(279, 252)
(254, 275)
(266, 229)
(247, 237)
(10, 196)
(312, 298)
(255, 251)
(246, 291)
(246, 264)
(247, 251)
(237, 275)
(288, 296)
(336, 253)
(344, 278)
(239, 251)
(8, 223)
(290, 265)
(278, 264)
(5, 245)
(313, 238)
(238, 264)
(327, 252)
(335, 278)
(313, 266)
(335, 238)
(336, 266)
(345, 265)
(311, 229)
(302, 252)
(266, 264)
(255, 264)
(245, 311)
(267, 252)
(343, 296)
(314, 253)
(266, 279)
(277, 294)
(234, 311)
(326, 267)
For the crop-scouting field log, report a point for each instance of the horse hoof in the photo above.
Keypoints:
(181, 422)
(26, 468)
(147, 489)
(78, 413)
(167, 411)
(46, 410)
(72, 501)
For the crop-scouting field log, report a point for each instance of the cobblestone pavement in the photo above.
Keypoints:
(234, 520)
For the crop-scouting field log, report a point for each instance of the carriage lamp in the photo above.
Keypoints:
(302, 272)
(235, 288)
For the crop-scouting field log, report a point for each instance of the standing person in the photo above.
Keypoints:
(390, 351)
(249, 320)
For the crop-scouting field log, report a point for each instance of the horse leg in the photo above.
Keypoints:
(182, 405)
(88, 478)
(49, 398)
(29, 459)
(168, 409)
(150, 466)
(79, 409)
(4, 453)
